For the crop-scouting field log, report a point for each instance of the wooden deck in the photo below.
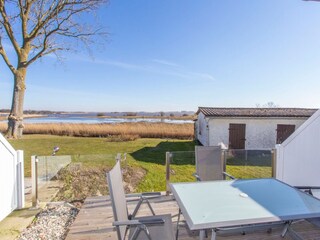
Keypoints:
(94, 222)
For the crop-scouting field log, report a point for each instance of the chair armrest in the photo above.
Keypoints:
(126, 223)
(308, 189)
(197, 177)
(134, 196)
(137, 222)
(151, 194)
(152, 221)
(228, 175)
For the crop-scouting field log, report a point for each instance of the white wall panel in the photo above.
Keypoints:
(298, 158)
(8, 199)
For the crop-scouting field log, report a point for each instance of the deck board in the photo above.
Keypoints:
(95, 218)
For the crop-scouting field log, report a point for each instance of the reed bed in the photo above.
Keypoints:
(126, 131)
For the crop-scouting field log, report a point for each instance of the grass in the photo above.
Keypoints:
(146, 153)
(126, 131)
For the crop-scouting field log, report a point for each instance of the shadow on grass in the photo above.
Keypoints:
(157, 154)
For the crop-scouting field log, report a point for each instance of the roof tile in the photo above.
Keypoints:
(256, 112)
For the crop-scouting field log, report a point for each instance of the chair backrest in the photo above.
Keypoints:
(118, 198)
(209, 164)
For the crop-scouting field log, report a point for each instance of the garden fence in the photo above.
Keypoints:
(45, 170)
(180, 165)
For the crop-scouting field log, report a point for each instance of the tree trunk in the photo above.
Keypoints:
(15, 119)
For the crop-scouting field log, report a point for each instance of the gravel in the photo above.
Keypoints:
(51, 223)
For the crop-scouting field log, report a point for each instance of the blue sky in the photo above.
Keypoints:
(165, 55)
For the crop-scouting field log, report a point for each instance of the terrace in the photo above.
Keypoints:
(95, 222)
(96, 216)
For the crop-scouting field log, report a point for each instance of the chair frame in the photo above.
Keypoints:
(140, 225)
(224, 174)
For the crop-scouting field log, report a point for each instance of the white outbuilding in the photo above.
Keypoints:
(248, 128)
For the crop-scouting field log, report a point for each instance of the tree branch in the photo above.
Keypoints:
(5, 58)
(7, 26)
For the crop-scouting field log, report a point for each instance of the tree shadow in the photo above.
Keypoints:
(157, 154)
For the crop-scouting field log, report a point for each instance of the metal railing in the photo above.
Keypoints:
(45, 169)
(249, 163)
(180, 165)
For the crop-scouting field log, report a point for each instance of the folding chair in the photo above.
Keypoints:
(151, 227)
(209, 164)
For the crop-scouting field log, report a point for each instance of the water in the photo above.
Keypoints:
(92, 119)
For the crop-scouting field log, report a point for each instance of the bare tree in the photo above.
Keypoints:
(36, 28)
(267, 105)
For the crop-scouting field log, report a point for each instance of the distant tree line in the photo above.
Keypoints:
(34, 111)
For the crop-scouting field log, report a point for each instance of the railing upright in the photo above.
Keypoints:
(168, 160)
(34, 176)
(274, 162)
(20, 180)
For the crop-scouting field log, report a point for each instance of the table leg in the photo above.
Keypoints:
(178, 221)
(285, 229)
(214, 234)
(202, 234)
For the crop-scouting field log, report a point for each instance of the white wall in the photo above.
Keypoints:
(298, 158)
(11, 180)
(261, 133)
(202, 129)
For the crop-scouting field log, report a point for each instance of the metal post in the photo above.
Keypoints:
(125, 161)
(118, 157)
(34, 176)
(168, 158)
(273, 162)
(20, 179)
(47, 174)
(224, 163)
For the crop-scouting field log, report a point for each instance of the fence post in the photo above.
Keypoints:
(20, 180)
(34, 176)
(118, 157)
(224, 162)
(273, 162)
(168, 158)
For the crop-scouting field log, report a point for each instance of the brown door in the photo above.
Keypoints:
(284, 131)
(237, 136)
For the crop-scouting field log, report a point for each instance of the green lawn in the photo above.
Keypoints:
(148, 154)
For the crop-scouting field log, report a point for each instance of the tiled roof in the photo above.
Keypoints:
(256, 112)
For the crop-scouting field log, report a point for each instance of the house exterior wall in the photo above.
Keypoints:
(298, 159)
(202, 130)
(261, 133)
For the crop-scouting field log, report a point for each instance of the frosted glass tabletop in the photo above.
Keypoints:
(231, 203)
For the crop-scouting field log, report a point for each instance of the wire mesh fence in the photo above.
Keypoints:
(181, 165)
(248, 163)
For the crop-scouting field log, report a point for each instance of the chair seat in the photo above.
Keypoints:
(157, 231)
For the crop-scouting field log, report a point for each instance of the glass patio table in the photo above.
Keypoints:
(221, 204)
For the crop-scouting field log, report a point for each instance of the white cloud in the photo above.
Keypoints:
(166, 68)
(175, 69)
(165, 62)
